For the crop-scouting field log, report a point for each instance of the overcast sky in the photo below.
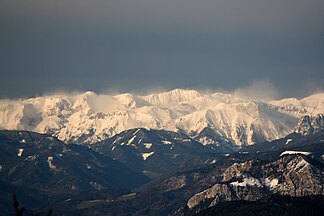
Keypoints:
(140, 45)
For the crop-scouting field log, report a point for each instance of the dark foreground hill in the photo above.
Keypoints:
(270, 206)
(40, 169)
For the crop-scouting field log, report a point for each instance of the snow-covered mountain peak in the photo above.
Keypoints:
(90, 117)
(173, 96)
(315, 100)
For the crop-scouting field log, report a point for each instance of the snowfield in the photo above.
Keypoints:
(295, 152)
(89, 117)
(146, 155)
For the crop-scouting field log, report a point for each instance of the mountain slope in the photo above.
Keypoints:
(42, 161)
(292, 141)
(41, 169)
(294, 169)
(291, 175)
(230, 179)
(89, 117)
(155, 151)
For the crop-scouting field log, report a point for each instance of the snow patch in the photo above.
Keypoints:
(249, 181)
(272, 184)
(146, 155)
(31, 158)
(295, 152)
(166, 142)
(148, 145)
(175, 155)
(186, 140)
(129, 195)
(131, 140)
(136, 132)
(50, 163)
(117, 140)
(288, 141)
(214, 161)
(20, 152)
(206, 141)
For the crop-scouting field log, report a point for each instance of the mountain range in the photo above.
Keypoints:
(154, 152)
(221, 119)
(288, 171)
(122, 176)
(181, 152)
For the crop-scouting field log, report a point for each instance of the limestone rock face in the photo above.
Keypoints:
(219, 192)
(293, 175)
(236, 170)
(299, 177)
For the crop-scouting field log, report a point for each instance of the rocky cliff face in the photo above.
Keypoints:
(311, 124)
(293, 175)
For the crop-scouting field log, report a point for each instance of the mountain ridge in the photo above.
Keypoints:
(89, 117)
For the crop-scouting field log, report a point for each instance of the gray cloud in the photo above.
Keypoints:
(136, 45)
(205, 15)
(259, 90)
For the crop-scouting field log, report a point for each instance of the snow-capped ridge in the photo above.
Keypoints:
(173, 96)
(89, 117)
